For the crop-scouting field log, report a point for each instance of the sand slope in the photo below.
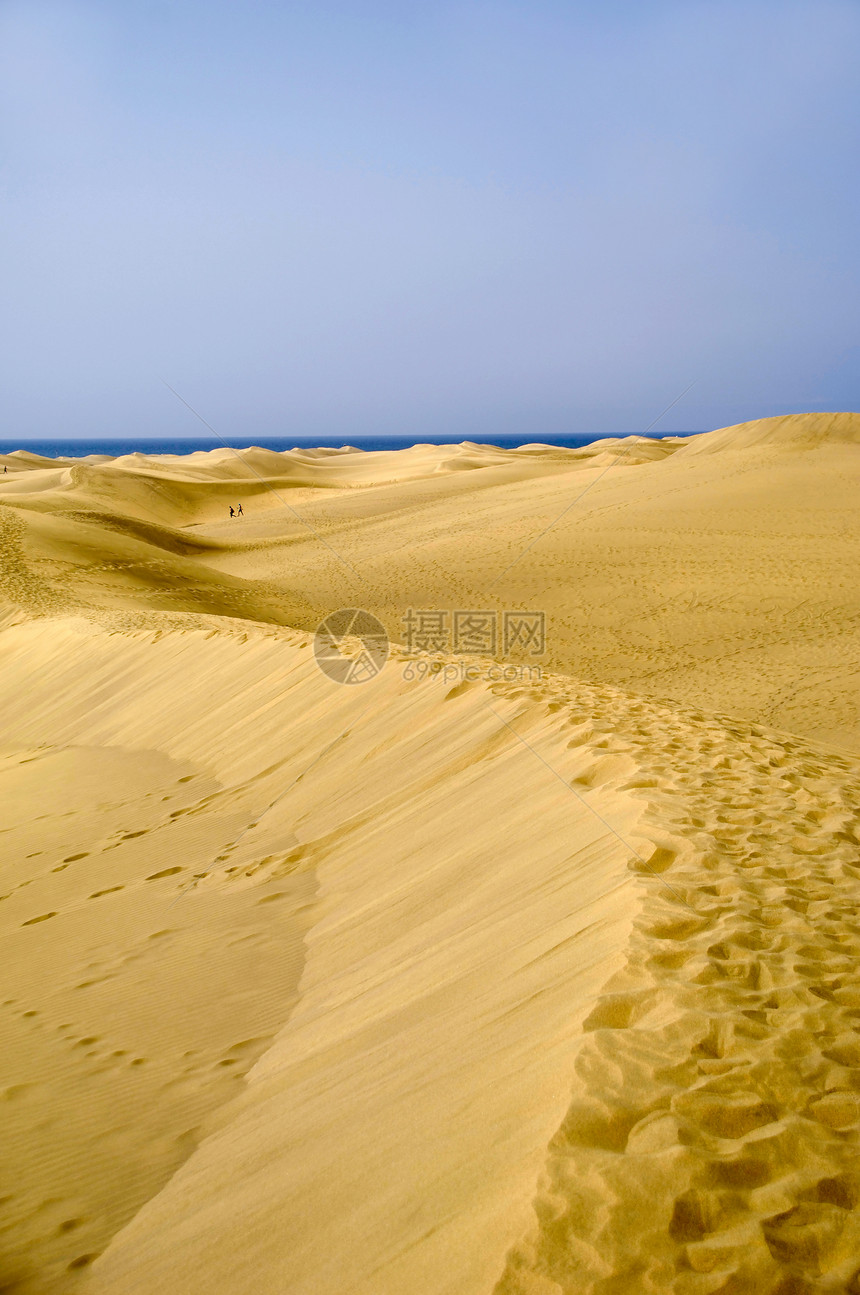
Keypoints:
(434, 1038)
(543, 987)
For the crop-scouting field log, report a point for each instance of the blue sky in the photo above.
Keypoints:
(426, 218)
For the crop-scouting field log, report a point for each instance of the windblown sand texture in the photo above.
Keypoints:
(539, 987)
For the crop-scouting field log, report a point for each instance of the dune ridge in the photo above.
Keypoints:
(713, 1126)
(556, 981)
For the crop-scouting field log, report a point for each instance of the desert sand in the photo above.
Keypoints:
(448, 982)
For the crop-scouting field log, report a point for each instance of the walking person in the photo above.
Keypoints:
(240, 512)
(232, 514)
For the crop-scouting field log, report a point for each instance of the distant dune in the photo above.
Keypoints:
(447, 983)
(795, 431)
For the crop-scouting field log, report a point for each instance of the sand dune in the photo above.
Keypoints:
(435, 984)
(722, 579)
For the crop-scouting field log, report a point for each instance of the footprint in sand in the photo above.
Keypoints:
(82, 1261)
(70, 1225)
(16, 1091)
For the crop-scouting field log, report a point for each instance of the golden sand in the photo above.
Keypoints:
(535, 986)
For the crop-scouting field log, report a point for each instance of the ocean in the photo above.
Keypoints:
(78, 449)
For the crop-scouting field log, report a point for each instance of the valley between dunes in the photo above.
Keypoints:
(450, 982)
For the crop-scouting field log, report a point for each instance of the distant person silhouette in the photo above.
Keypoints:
(241, 512)
(231, 511)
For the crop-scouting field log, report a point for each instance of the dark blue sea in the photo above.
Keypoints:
(78, 449)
